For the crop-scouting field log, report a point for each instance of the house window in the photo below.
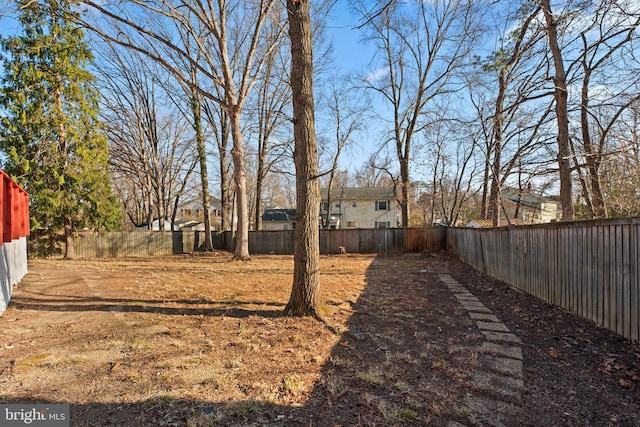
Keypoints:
(293, 225)
(382, 205)
(354, 204)
(337, 204)
(383, 224)
(325, 205)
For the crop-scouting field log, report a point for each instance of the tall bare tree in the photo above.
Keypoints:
(190, 101)
(305, 296)
(218, 121)
(603, 45)
(148, 142)
(420, 46)
(346, 107)
(505, 62)
(620, 168)
(271, 112)
(228, 35)
(562, 114)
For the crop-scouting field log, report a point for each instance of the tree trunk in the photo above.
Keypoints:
(204, 175)
(434, 183)
(484, 205)
(498, 121)
(404, 188)
(258, 204)
(562, 116)
(260, 176)
(596, 201)
(327, 220)
(226, 218)
(70, 250)
(241, 251)
(305, 292)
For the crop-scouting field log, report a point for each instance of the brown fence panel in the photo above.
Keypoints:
(271, 242)
(133, 244)
(590, 268)
(432, 239)
(146, 243)
(332, 240)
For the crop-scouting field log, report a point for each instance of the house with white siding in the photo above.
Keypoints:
(372, 207)
(278, 219)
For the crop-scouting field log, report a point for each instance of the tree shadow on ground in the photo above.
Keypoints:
(404, 357)
(179, 307)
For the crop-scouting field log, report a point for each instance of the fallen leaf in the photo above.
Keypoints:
(554, 353)
(625, 384)
(346, 344)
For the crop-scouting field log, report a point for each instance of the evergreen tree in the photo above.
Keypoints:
(49, 132)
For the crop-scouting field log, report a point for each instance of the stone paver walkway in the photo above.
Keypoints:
(499, 380)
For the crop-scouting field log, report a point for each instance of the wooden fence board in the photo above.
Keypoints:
(538, 264)
(591, 269)
(600, 274)
(607, 256)
(626, 285)
(580, 271)
(619, 271)
(590, 276)
(552, 237)
(634, 282)
(571, 273)
(564, 261)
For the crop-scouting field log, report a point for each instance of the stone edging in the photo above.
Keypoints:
(500, 376)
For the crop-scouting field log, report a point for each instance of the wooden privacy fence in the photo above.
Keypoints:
(588, 268)
(153, 243)
(362, 241)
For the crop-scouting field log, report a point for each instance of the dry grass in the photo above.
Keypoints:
(200, 341)
(196, 329)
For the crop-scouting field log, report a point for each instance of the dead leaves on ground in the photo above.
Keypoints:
(630, 377)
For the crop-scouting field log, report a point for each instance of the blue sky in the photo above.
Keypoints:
(351, 55)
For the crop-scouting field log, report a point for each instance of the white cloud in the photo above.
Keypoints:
(376, 75)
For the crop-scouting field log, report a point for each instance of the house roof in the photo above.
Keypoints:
(488, 223)
(528, 199)
(279, 215)
(366, 193)
(196, 204)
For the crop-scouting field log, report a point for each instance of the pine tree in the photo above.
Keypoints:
(49, 131)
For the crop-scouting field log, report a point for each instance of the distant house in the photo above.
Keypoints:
(530, 208)
(372, 207)
(278, 219)
(192, 214)
(488, 223)
(155, 225)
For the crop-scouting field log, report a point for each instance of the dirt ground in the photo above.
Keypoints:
(200, 341)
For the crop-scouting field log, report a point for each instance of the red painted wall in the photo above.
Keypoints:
(14, 209)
